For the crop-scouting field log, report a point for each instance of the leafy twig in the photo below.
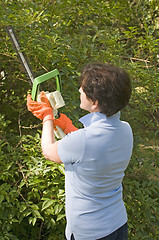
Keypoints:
(31, 127)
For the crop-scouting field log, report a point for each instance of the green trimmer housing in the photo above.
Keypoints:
(38, 80)
(55, 98)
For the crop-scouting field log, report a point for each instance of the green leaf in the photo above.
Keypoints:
(11, 236)
(58, 208)
(61, 169)
(1, 198)
(22, 207)
(47, 204)
(60, 216)
(34, 221)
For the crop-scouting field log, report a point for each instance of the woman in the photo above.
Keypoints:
(95, 157)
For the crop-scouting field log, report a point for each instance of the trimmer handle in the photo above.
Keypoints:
(43, 78)
(55, 98)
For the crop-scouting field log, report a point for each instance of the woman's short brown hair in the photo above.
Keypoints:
(107, 84)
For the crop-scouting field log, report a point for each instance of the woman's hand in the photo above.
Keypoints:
(41, 110)
(65, 124)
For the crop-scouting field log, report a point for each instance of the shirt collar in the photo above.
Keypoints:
(90, 118)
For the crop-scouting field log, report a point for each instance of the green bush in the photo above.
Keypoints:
(31, 192)
(66, 35)
(141, 189)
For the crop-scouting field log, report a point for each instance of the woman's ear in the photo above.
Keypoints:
(95, 107)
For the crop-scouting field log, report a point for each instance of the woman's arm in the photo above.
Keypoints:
(43, 110)
(48, 143)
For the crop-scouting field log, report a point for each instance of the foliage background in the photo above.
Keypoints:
(66, 35)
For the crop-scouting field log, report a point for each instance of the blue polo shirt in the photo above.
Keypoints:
(95, 158)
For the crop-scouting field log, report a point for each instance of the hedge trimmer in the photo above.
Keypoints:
(55, 97)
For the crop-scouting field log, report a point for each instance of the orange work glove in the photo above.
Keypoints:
(41, 110)
(65, 124)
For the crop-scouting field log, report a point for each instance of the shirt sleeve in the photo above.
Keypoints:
(71, 147)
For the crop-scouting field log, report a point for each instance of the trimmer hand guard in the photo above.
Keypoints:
(43, 78)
